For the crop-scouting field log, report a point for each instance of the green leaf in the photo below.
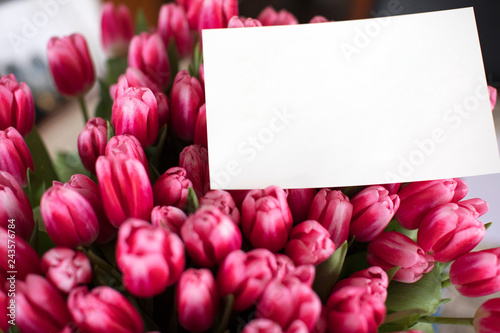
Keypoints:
(68, 164)
(141, 23)
(35, 189)
(354, 263)
(488, 225)
(194, 67)
(191, 202)
(116, 67)
(423, 327)
(155, 157)
(395, 226)
(173, 59)
(328, 272)
(392, 271)
(111, 130)
(105, 105)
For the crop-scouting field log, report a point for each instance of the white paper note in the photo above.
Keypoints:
(373, 101)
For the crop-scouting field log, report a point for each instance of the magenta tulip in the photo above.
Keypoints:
(318, 19)
(173, 27)
(15, 156)
(300, 201)
(92, 142)
(262, 325)
(200, 132)
(287, 269)
(129, 145)
(26, 259)
(171, 189)
(309, 243)
(487, 317)
(17, 108)
(168, 217)
(241, 22)
(224, 201)
(116, 29)
(493, 96)
(269, 16)
(194, 159)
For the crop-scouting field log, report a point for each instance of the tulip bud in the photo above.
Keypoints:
(373, 209)
(200, 133)
(309, 243)
(14, 205)
(171, 189)
(65, 268)
(209, 236)
(101, 309)
(333, 210)
(150, 258)
(17, 108)
(92, 142)
(69, 218)
(393, 188)
(477, 206)
(148, 53)
(300, 201)
(194, 159)
(374, 278)
(16, 157)
(418, 198)
(211, 14)
(133, 77)
(237, 22)
(449, 231)
(70, 65)
(287, 269)
(197, 300)
(318, 19)
(269, 16)
(186, 98)
(262, 325)
(392, 249)
(135, 112)
(245, 275)
(477, 274)
(487, 317)
(168, 217)
(224, 201)
(163, 109)
(284, 301)
(116, 29)
(39, 306)
(493, 96)
(26, 258)
(173, 26)
(125, 188)
(129, 145)
(266, 219)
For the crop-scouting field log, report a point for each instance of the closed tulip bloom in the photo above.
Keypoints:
(211, 14)
(393, 249)
(66, 268)
(300, 201)
(197, 299)
(125, 188)
(237, 22)
(186, 98)
(69, 218)
(102, 310)
(418, 198)
(15, 156)
(269, 16)
(163, 109)
(478, 206)
(245, 275)
(493, 96)
(92, 142)
(194, 159)
(168, 217)
(286, 269)
(135, 112)
(477, 274)
(284, 301)
(129, 146)
(116, 29)
(266, 219)
(333, 210)
(200, 133)
(209, 236)
(17, 108)
(5, 312)
(374, 278)
(39, 306)
(173, 27)
(487, 317)
(27, 260)
(262, 325)
(449, 231)
(133, 77)
(171, 189)
(318, 19)
(309, 243)
(224, 201)
(70, 65)
(14, 205)
(373, 209)
(150, 258)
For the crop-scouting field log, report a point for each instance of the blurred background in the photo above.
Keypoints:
(27, 25)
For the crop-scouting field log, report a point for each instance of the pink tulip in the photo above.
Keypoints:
(133, 77)
(318, 19)
(200, 133)
(373, 209)
(17, 108)
(14, 205)
(392, 249)
(69, 218)
(374, 278)
(224, 201)
(66, 268)
(26, 258)
(92, 142)
(125, 188)
(171, 189)
(309, 243)
(103, 309)
(266, 219)
(269, 16)
(201, 75)
(194, 159)
(6, 311)
(150, 258)
(135, 112)
(70, 65)
(285, 268)
(477, 274)
(487, 317)
(129, 146)
(39, 306)
(300, 201)
(245, 275)
(163, 109)
(173, 27)
(237, 22)
(209, 236)
(197, 300)
(449, 231)
(262, 325)
(493, 96)
(211, 14)
(168, 217)
(15, 156)
(333, 210)
(478, 206)
(116, 29)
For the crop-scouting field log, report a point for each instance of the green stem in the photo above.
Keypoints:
(445, 320)
(400, 315)
(445, 283)
(83, 106)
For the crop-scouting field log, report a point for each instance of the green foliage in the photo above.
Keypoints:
(328, 272)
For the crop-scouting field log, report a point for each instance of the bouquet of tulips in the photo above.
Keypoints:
(132, 239)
